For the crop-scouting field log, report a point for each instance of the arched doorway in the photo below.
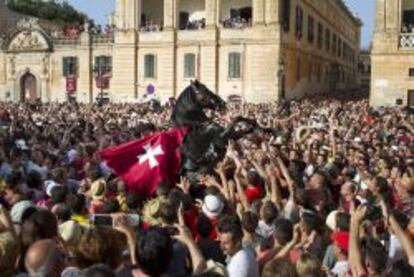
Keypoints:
(28, 87)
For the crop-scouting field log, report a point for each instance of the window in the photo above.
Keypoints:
(311, 29)
(334, 44)
(320, 35)
(411, 72)
(327, 39)
(319, 72)
(310, 70)
(103, 65)
(286, 15)
(339, 47)
(149, 66)
(189, 65)
(299, 22)
(234, 65)
(70, 66)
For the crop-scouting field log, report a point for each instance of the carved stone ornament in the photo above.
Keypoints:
(28, 23)
(29, 40)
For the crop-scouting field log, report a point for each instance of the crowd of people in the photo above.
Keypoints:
(407, 28)
(194, 24)
(330, 192)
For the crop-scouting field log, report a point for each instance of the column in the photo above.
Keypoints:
(380, 15)
(212, 7)
(170, 14)
(258, 12)
(392, 13)
(272, 11)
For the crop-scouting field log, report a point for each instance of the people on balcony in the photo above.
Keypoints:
(149, 26)
(407, 28)
(237, 22)
(195, 24)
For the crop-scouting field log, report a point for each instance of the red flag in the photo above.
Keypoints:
(144, 163)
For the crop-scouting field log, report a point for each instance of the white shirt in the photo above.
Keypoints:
(243, 264)
(264, 230)
(340, 269)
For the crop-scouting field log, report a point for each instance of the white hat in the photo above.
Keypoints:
(71, 155)
(357, 140)
(331, 220)
(18, 210)
(49, 185)
(212, 206)
(21, 144)
(71, 231)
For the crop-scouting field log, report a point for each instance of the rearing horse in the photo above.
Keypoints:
(206, 143)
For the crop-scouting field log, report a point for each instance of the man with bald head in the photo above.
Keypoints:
(44, 259)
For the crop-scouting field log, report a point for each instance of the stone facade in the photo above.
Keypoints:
(364, 71)
(392, 55)
(268, 53)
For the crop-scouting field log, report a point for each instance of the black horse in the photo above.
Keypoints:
(206, 143)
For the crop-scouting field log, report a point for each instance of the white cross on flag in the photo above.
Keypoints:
(150, 155)
(145, 163)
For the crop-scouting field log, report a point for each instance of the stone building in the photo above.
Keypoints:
(260, 50)
(364, 71)
(392, 55)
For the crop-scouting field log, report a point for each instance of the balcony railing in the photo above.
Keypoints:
(103, 38)
(406, 41)
(66, 40)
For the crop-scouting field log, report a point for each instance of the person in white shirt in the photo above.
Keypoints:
(241, 262)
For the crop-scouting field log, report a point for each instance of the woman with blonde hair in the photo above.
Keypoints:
(309, 266)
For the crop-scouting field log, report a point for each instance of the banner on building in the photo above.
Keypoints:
(71, 84)
(102, 82)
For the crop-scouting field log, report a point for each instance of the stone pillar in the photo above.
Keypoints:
(258, 12)
(272, 11)
(212, 8)
(170, 14)
(392, 14)
(380, 15)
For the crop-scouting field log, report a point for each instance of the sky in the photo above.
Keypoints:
(100, 9)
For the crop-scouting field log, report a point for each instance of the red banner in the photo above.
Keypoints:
(71, 84)
(102, 82)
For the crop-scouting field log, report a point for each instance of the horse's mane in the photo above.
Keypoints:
(187, 112)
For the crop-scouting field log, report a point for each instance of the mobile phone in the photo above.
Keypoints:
(102, 220)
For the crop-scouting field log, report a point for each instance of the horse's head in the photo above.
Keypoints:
(206, 98)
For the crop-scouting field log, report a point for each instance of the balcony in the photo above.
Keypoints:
(406, 41)
(102, 38)
(66, 40)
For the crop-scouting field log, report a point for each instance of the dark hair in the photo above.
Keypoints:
(63, 213)
(100, 270)
(231, 225)
(34, 180)
(133, 201)
(312, 222)
(270, 212)
(168, 212)
(154, 251)
(402, 219)
(283, 232)
(163, 189)
(343, 221)
(249, 222)
(204, 226)
(40, 225)
(113, 206)
(78, 203)
(281, 267)
(375, 253)
(402, 268)
(59, 194)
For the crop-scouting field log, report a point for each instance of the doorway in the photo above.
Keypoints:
(28, 87)
(410, 100)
